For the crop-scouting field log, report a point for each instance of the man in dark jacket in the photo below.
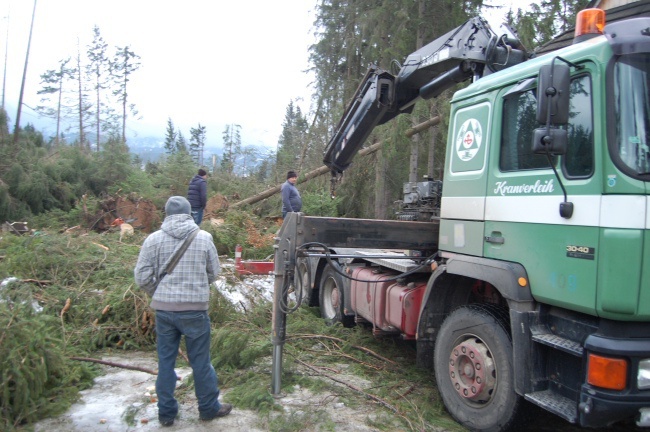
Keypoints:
(197, 195)
(291, 201)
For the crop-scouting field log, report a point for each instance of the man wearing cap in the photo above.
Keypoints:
(291, 201)
(197, 195)
(180, 299)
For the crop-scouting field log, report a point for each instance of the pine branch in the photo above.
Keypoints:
(335, 339)
(350, 386)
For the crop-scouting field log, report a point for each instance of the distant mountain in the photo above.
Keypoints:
(150, 149)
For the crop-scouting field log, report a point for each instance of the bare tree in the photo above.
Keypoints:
(125, 62)
(22, 86)
(99, 68)
(52, 81)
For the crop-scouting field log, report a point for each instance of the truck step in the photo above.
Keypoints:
(544, 337)
(555, 403)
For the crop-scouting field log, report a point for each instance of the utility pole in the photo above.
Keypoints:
(22, 86)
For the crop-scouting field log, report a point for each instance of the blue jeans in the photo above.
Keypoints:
(195, 326)
(197, 214)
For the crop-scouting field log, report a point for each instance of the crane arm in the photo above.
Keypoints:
(471, 50)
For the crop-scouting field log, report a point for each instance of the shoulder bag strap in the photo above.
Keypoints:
(179, 253)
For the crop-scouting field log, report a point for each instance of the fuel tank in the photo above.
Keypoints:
(388, 305)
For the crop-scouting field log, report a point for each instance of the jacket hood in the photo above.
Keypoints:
(178, 225)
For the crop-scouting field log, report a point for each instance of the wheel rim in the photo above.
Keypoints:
(331, 299)
(472, 370)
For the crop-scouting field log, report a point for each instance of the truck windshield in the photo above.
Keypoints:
(631, 88)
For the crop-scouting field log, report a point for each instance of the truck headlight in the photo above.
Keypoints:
(643, 378)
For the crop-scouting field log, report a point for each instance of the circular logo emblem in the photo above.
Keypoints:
(611, 180)
(469, 139)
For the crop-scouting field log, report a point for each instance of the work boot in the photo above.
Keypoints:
(223, 411)
(166, 422)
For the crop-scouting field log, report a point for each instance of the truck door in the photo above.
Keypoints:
(522, 218)
(463, 202)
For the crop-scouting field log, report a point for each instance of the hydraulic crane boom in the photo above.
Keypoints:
(471, 50)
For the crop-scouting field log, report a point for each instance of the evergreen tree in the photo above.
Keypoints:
(292, 142)
(231, 146)
(197, 143)
(4, 126)
(351, 36)
(249, 155)
(82, 103)
(540, 22)
(98, 69)
(181, 143)
(124, 64)
(114, 163)
(170, 138)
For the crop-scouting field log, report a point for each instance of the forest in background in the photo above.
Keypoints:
(40, 175)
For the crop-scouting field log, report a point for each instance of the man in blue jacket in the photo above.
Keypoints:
(197, 195)
(180, 300)
(291, 201)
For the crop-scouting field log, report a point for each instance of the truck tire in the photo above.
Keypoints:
(331, 296)
(303, 283)
(473, 368)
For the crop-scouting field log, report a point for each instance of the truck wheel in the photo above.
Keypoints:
(473, 368)
(331, 294)
(302, 282)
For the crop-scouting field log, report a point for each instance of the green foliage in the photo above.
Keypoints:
(540, 22)
(114, 164)
(137, 182)
(11, 208)
(240, 228)
(37, 377)
(319, 204)
(79, 269)
(250, 390)
(236, 350)
(56, 220)
(174, 174)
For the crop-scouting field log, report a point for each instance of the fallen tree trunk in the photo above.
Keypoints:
(324, 169)
(118, 365)
(310, 175)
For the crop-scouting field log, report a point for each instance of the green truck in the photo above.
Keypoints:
(528, 277)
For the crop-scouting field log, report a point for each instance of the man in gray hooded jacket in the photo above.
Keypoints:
(181, 299)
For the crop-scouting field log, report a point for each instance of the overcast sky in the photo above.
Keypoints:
(202, 61)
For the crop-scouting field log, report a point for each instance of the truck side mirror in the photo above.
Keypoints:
(553, 94)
